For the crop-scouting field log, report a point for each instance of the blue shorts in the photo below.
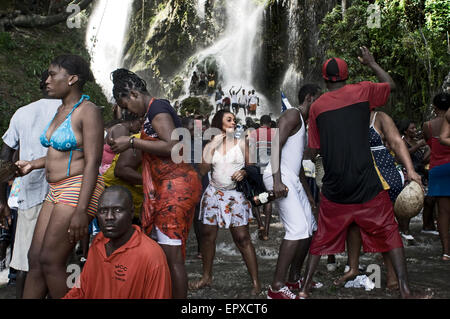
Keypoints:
(439, 180)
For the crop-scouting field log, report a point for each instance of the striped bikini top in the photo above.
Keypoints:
(63, 138)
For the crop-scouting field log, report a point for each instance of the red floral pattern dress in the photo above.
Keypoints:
(171, 192)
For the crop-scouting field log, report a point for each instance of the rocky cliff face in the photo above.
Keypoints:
(164, 34)
(291, 54)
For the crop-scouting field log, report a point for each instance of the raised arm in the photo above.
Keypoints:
(208, 152)
(368, 59)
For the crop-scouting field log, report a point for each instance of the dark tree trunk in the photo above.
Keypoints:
(36, 20)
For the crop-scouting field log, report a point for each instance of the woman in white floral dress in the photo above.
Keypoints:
(221, 204)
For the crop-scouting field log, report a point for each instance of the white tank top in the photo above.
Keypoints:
(224, 166)
(292, 152)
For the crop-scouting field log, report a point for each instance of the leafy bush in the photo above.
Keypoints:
(411, 44)
(196, 105)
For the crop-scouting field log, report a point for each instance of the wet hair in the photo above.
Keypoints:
(311, 89)
(124, 192)
(124, 81)
(265, 119)
(75, 65)
(217, 120)
(442, 101)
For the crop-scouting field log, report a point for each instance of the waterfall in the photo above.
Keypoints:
(105, 39)
(200, 7)
(292, 78)
(233, 52)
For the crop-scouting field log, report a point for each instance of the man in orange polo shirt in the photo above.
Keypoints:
(123, 262)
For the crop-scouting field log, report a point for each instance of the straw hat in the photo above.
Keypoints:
(410, 201)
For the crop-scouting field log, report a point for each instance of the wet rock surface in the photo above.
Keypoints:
(231, 280)
(426, 271)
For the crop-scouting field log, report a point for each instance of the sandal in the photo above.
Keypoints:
(445, 257)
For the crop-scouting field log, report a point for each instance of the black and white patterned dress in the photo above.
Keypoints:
(385, 163)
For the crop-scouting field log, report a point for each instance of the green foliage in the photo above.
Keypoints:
(6, 43)
(195, 105)
(410, 44)
(25, 54)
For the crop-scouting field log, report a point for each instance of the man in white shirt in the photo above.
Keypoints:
(253, 103)
(243, 101)
(234, 100)
(25, 127)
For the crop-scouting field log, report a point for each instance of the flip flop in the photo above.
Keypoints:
(445, 257)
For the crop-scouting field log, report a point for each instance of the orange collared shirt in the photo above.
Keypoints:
(137, 270)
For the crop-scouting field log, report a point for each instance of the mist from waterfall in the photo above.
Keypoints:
(105, 39)
(292, 78)
(234, 50)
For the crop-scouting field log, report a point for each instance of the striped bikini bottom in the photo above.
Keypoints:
(67, 192)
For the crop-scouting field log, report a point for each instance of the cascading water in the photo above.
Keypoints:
(234, 51)
(292, 77)
(105, 39)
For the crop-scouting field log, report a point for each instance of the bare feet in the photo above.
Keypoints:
(199, 284)
(303, 295)
(350, 275)
(427, 295)
(262, 234)
(256, 289)
(392, 285)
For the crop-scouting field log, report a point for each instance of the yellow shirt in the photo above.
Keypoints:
(136, 190)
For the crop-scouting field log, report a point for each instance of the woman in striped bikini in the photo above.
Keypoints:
(71, 166)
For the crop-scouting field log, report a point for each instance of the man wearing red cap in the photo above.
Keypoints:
(352, 191)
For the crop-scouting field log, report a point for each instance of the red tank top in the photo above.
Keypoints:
(440, 154)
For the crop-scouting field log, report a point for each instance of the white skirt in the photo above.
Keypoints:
(224, 208)
(295, 210)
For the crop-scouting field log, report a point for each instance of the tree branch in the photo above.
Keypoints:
(35, 20)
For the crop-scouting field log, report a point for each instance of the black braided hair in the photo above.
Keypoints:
(124, 81)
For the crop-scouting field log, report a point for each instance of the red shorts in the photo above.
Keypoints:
(375, 218)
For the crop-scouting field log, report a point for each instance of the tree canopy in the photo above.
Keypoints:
(410, 42)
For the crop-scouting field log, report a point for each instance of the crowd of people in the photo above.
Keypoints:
(118, 190)
(231, 100)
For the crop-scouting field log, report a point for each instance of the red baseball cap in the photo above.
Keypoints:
(334, 70)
